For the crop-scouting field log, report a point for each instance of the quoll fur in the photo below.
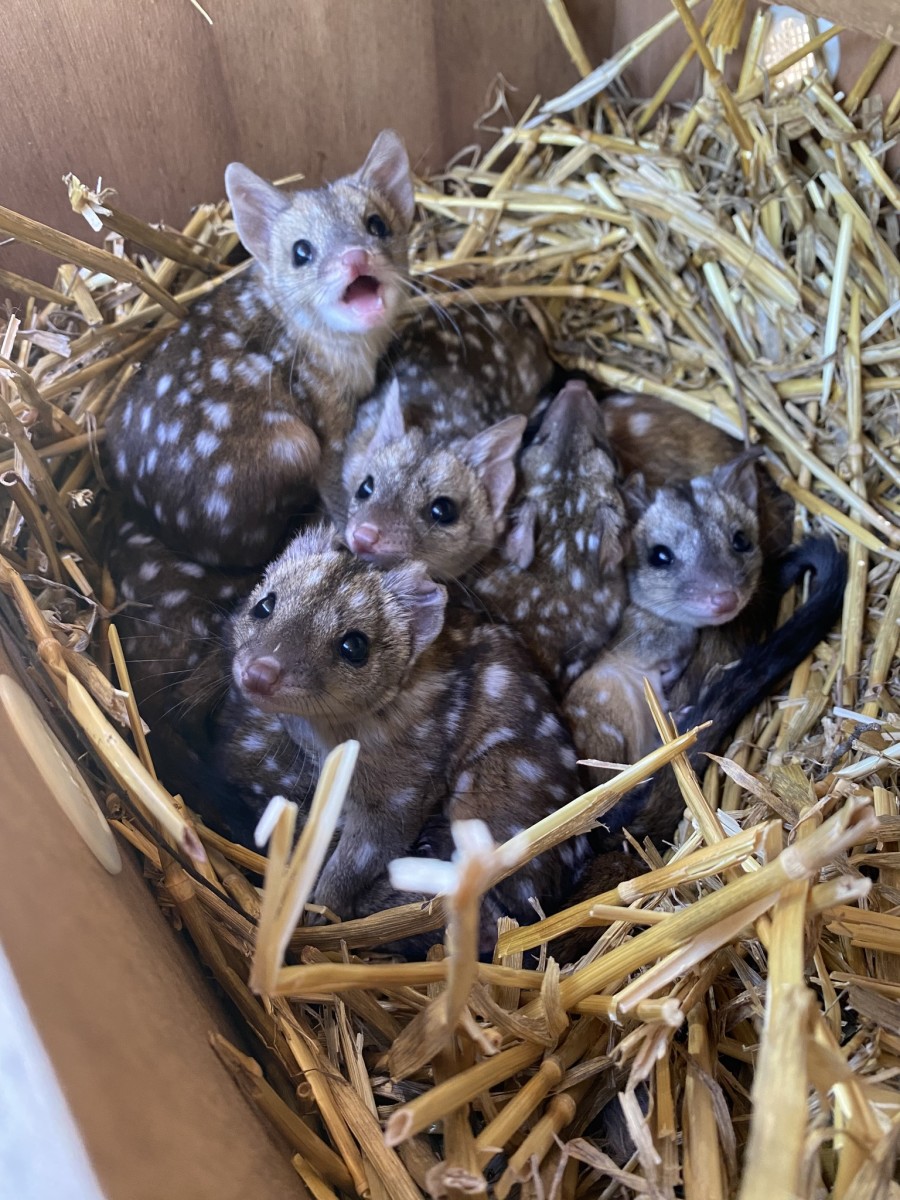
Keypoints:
(451, 717)
(559, 574)
(223, 434)
(424, 497)
(694, 561)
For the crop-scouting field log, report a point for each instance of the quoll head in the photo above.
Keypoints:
(695, 553)
(571, 510)
(335, 255)
(327, 636)
(444, 505)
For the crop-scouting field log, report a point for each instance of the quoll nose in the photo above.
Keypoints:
(261, 676)
(364, 538)
(722, 603)
(357, 262)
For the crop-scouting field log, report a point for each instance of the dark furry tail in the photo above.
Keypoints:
(654, 810)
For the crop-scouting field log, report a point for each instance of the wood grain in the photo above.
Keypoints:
(156, 101)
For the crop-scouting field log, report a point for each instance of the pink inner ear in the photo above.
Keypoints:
(391, 426)
(519, 546)
(255, 206)
(424, 600)
(386, 170)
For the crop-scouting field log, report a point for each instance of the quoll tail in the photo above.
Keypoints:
(654, 810)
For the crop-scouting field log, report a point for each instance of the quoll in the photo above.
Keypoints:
(694, 561)
(452, 719)
(223, 434)
(558, 576)
(421, 496)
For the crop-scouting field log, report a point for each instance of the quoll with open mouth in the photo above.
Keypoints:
(221, 434)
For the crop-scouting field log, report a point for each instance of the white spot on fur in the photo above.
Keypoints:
(576, 578)
(224, 474)
(218, 506)
(148, 571)
(174, 598)
(219, 414)
(145, 420)
(151, 460)
(495, 737)
(276, 416)
(464, 782)
(496, 680)
(207, 443)
(190, 568)
(162, 386)
(218, 370)
(231, 339)
(531, 771)
(640, 424)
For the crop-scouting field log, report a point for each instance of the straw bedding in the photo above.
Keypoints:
(738, 1020)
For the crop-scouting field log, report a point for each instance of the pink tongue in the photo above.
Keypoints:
(363, 295)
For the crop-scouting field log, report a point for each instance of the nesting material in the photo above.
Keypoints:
(738, 1019)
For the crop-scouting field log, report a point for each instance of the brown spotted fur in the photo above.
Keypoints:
(222, 434)
(452, 719)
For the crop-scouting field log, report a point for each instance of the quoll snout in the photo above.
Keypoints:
(364, 538)
(723, 604)
(259, 676)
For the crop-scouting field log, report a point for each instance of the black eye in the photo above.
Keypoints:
(264, 608)
(444, 511)
(660, 556)
(741, 542)
(366, 488)
(303, 253)
(354, 648)
(377, 227)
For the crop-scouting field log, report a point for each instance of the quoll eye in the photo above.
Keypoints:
(366, 488)
(660, 556)
(741, 542)
(303, 253)
(353, 648)
(263, 608)
(444, 511)
(377, 226)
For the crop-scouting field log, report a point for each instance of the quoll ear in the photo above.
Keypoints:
(391, 427)
(636, 495)
(611, 528)
(255, 206)
(491, 454)
(518, 547)
(739, 478)
(424, 600)
(386, 171)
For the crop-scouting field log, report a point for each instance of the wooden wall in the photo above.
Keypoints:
(155, 100)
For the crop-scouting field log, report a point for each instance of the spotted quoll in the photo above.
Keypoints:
(223, 433)
(447, 379)
(668, 445)
(558, 576)
(174, 622)
(694, 561)
(424, 497)
(451, 717)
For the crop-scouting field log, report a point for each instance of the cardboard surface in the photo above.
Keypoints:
(157, 101)
(124, 1013)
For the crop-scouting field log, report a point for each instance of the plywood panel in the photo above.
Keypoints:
(157, 101)
(124, 1013)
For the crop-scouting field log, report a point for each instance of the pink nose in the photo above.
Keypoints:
(357, 262)
(722, 603)
(364, 538)
(260, 676)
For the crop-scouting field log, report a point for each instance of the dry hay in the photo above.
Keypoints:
(743, 996)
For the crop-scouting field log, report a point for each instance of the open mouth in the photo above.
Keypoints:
(363, 296)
